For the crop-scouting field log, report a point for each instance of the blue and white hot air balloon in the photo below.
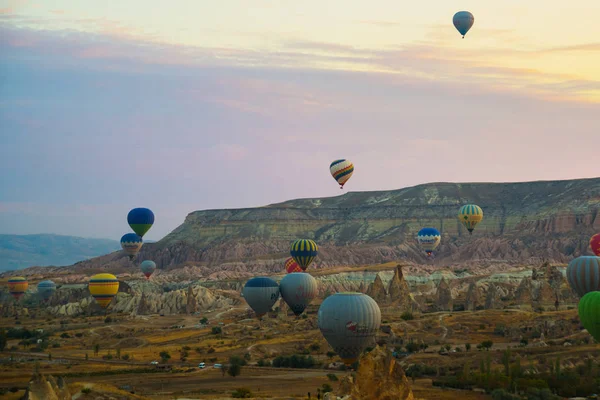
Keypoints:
(429, 239)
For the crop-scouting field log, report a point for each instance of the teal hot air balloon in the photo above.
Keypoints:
(148, 268)
(583, 274)
(131, 244)
(46, 289)
(261, 293)
(589, 313)
(140, 220)
(349, 323)
(463, 21)
(298, 289)
(304, 251)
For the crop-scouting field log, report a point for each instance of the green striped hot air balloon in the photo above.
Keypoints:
(589, 313)
(304, 251)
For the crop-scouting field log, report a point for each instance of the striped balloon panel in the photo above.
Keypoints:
(349, 322)
(103, 287)
(304, 251)
(341, 170)
(292, 266)
(583, 274)
(470, 215)
(589, 313)
(17, 286)
(298, 289)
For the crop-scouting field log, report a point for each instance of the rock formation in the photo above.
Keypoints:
(377, 291)
(42, 388)
(379, 377)
(493, 298)
(443, 297)
(523, 294)
(399, 292)
(473, 299)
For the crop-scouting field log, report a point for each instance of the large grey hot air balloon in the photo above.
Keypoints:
(147, 268)
(583, 274)
(349, 322)
(463, 21)
(298, 289)
(261, 293)
(46, 289)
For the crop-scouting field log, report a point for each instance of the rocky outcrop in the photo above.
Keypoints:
(379, 377)
(443, 297)
(473, 298)
(42, 388)
(377, 291)
(399, 292)
(493, 298)
(523, 294)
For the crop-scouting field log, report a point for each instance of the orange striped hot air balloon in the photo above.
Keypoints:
(292, 266)
(17, 286)
(103, 288)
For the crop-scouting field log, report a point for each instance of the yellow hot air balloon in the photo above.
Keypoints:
(17, 286)
(103, 288)
(470, 215)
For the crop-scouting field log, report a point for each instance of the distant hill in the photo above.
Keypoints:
(22, 251)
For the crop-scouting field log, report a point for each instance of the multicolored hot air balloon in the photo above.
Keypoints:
(292, 266)
(595, 244)
(131, 244)
(589, 313)
(429, 239)
(349, 323)
(463, 21)
(140, 220)
(46, 289)
(261, 293)
(583, 274)
(17, 286)
(470, 215)
(148, 268)
(341, 170)
(103, 288)
(304, 251)
(298, 289)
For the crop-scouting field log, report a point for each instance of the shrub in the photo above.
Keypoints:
(407, 316)
(65, 335)
(242, 393)
(216, 330)
(211, 350)
(326, 388)
(332, 377)
(108, 320)
(125, 357)
(79, 334)
(86, 390)
(263, 363)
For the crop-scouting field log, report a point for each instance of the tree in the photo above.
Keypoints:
(118, 355)
(204, 321)
(3, 339)
(468, 346)
(164, 356)
(86, 357)
(49, 356)
(506, 362)
(330, 354)
(96, 349)
(216, 330)
(487, 344)
(234, 370)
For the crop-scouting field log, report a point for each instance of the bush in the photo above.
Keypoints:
(263, 363)
(295, 361)
(326, 388)
(242, 393)
(108, 320)
(407, 316)
(56, 345)
(216, 330)
(211, 350)
(501, 394)
(332, 377)
(65, 335)
(125, 357)
(331, 354)
(78, 334)
(86, 390)
(234, 370)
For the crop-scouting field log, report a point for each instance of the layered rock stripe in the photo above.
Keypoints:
(583, 274)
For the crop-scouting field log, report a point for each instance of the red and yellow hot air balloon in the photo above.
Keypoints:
(292, 266)
(595, 244)
(17, 286)
(103, 288)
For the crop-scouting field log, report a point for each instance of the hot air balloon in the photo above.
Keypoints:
(46, 289)
(103, 288)
(292, 266)
(261, 293)
(304, 251)
(583, 274)
(131, 244)
(589, 313)
(140, 220)
(429, 239)
(595, 244)
(298, 289)
(341, 170)
(349, 323)
(470, 215)
(17, 286)
(463, 21)
(148, 268)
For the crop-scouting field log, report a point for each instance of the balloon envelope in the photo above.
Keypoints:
(17, 286)
(304, 251)
(463, 21)
(46, 289)
(341, 170)
(349, 323)
(140, 220)
(103, 288)
(148, 267)
(131, 244)
(261, 293)
(298, 289)
(429, 239)
(595, 244)
(470, 215)
(589, 313)
(292, 266)
(583, 274)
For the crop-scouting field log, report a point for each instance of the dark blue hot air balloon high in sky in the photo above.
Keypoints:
(140, 220)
